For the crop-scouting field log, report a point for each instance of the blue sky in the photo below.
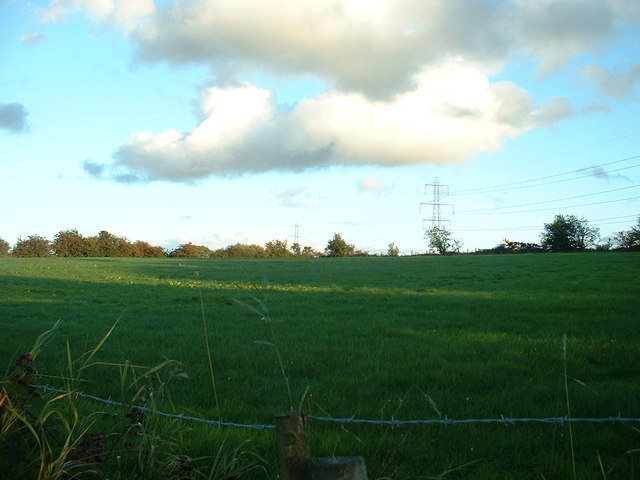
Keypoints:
(224, 121)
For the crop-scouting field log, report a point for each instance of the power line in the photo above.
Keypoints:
(504, 186)
(559, 207)
(502, 190)
(491, 209)
(597, 221)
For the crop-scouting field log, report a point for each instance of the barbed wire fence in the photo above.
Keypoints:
(613, 420)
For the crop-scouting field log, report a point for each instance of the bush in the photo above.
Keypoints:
(32, 246)
(5, 248)
(189, 250)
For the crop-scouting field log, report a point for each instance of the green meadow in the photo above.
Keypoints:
(461, 337)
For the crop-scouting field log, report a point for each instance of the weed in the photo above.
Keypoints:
(256, 301)
(47, 435)
(208, 347)
(566, 392)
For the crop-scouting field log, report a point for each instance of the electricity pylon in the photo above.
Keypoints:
(296, 233)
(439, 190)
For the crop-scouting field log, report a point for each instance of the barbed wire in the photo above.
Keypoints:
(217, 423)
(393, 422)
(502, 419)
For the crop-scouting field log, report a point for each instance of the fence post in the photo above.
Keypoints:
(293, 446)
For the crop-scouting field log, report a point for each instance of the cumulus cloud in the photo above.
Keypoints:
(407, 81)
(225, 239)
(13, 117)
(376, 47)
(617, 85)
(553, 111)
(292, 198)
(453, 112)
(127, 14)
(373, 47)
(555, 31)
(31, 38)
(214, 242)
(371, 184)
(94, 169)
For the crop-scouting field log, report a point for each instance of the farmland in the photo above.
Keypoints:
(470, 337)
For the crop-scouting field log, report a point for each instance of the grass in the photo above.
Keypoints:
(478, 337)
(46, 434)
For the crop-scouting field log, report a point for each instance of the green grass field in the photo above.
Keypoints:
(375, 338)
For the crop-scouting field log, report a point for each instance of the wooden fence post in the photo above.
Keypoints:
(296, 462)
(293, 446)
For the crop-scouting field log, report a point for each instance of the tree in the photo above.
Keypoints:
(277, 248)
(440, 240)
(107, 244)
(338, 247)
(189, 250)
(144, 249)
(308, 251)
(392, 250)
(240, 250)
(32, 246)
(511, 246)
(629, 239)
(70, 243)
(5, 248)
(568, 233)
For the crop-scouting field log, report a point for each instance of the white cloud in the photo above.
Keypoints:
(127, 14)
(372, 47)
(408, 81)
(59, 10)
(556, 109)
(618, 85)
(292, 198)
(225, 239)
(130, 13)
(231, 115)
(371, 184)
(377, 47)
(555, 30)
(214, 242)
(453, 112)
(31, 38)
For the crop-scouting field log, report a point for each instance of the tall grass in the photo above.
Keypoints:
(566, 391)
(208, 347)
(47, 434)
(256, 301)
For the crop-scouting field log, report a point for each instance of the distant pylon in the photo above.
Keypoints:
(296, 233)
(439, 190)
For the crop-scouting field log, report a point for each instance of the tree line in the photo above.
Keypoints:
(568, 233)
(565, 233)
(71, 243)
